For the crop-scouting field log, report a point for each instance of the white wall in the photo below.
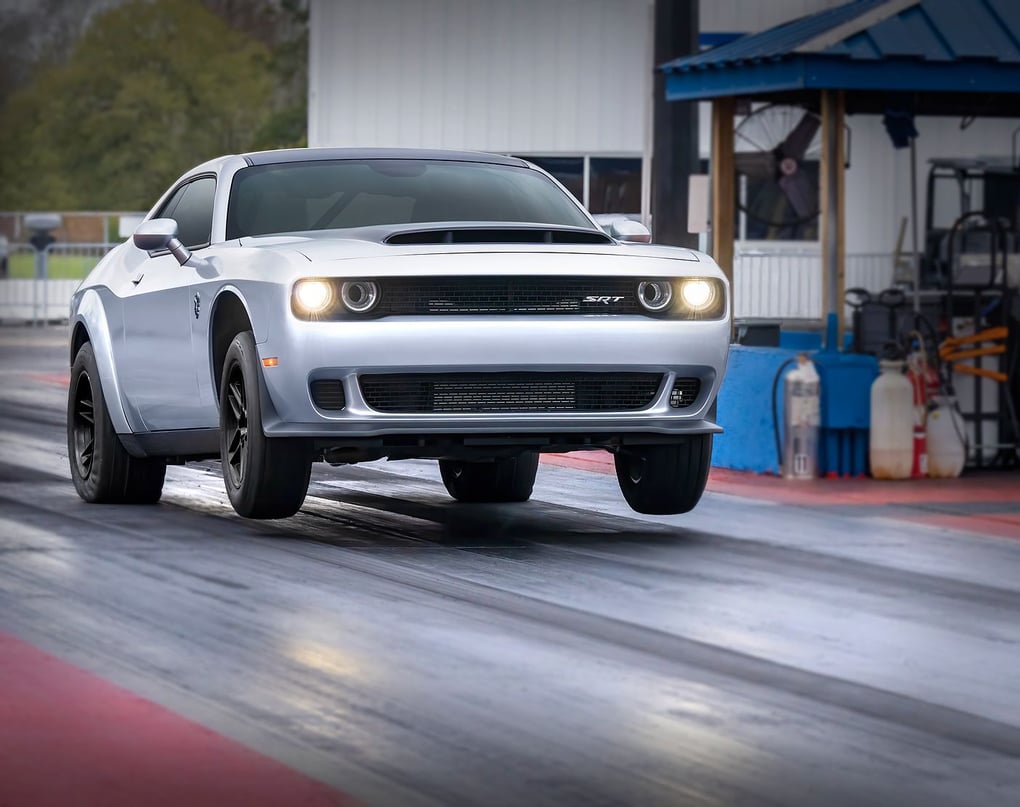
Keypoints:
(745, 16)
(529, 76)
(878, 182)
(552, 77)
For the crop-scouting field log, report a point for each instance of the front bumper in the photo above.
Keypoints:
(344, 350)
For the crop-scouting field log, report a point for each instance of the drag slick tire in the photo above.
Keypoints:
(265, 477)
(507, 479)
(101, 469)
(665, 479)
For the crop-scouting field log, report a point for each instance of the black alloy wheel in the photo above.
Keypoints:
(506, 479)
(235, 421)
(665, 479)
(101, 468)
(83, 425)
(265, 477)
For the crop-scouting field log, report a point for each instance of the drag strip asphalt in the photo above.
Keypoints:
(402, 648)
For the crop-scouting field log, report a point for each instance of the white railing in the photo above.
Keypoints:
(787, 284)
(767, 283)
(27, 297)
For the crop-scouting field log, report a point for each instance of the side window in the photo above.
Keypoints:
(167, 210)
(193, 212)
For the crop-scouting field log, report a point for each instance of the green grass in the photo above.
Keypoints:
(61, 267)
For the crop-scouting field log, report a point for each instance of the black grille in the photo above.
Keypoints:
(510, 392)
(508, 295)
(328, 393)
(684, 393)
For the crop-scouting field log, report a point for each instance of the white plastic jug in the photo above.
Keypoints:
(947, 447)
(891, 443)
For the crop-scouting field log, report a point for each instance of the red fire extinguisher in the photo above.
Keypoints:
(925, 383)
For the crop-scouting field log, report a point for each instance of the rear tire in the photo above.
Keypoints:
(102, 470)
(265, 477)
(665, 479)
(509, 479)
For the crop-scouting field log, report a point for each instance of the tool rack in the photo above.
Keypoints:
(990, 353)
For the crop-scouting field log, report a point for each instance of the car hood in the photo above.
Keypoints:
(496, 237)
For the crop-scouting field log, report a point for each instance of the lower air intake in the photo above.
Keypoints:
(510, 392)
(328, 394)
(684, 393)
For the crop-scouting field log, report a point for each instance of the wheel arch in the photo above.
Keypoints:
(91, 325)
(230, 316)
(79, 336)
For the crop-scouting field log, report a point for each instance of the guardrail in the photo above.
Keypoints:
(768, 284)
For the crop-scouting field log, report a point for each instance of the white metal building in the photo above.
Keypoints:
(568, 84)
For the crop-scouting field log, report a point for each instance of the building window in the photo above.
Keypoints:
(568, 170)
(615, 185)
(601, 184)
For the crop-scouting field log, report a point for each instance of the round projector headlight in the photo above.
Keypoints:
(655, 295)
(697, 294)
(314, 296)
(360, 296)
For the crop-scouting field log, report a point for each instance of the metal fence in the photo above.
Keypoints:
(767, 284)
(787, 284)
(37, 292)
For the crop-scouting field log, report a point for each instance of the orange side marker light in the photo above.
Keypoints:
(272, 361)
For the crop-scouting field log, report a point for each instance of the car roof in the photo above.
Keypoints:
(308, 154)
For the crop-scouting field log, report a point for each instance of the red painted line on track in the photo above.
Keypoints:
(989, 489)
(69, 737)
(1000, 525)
(57, 379)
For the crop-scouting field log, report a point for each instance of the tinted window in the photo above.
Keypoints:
(321, 195)
(568, 170)
(615, 185)
(193, 212)
(167, 210)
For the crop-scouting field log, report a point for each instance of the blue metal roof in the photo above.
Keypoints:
(897, 45)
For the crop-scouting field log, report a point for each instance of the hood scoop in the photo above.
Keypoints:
(498, 235)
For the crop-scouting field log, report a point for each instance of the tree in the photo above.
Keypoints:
(151, 89)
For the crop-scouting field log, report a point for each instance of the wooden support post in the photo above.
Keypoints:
(833, 194)
(724, 205)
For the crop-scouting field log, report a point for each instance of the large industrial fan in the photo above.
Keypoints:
(777, 152)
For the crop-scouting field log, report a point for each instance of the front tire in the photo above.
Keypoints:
(102, 470)
(665, 479)
(265, 477)
(509, 479)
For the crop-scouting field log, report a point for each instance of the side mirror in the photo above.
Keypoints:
(156, 234)
(629, 231)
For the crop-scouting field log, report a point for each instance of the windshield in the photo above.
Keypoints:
(322, 195)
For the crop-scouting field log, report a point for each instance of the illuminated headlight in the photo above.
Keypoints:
(697, 294)
(359, 296)
(655, 295)
(313, 296)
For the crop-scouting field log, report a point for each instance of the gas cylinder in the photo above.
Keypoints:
(801, 420)
(947, 436)
(924, 381)
(891, 442)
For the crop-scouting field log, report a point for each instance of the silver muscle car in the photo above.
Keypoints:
(281, 308)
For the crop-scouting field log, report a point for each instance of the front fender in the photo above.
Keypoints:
(89, 310)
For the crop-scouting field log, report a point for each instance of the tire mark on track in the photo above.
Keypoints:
(830, 568)
(648, 643)
(665, 650)
(882, 705)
